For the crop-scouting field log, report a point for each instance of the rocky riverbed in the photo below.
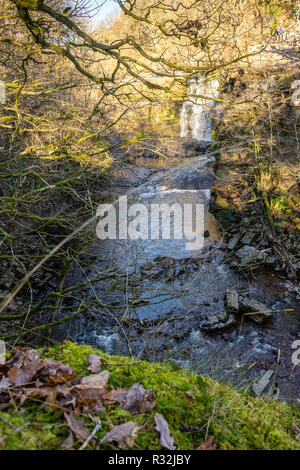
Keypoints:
(220, 310)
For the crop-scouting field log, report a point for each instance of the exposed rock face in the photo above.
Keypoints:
(262, 312)
(250, 256)
(232, 301)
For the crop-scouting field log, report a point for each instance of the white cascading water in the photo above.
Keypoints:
(196, 113)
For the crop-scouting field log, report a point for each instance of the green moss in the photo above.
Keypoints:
(238, 420)
(31, 428)
(222, 202)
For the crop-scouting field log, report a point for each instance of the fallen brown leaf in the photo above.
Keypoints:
(114, 396)
(96, 380)
(49, 394)
(88, 396)
(166, 440)
(90, 391)
(77, 426)
(24, 365)
(54, 372)
(208, 444)
(59, 395)
(47, 379)
(148, 402)
(65, 396)
(19, 355)
(68, 442)
(94, 362)
(295, 431)
(20, 376)
(124, 435)
(139, 399)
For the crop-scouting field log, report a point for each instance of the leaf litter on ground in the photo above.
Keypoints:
(166, 440)
(124, 435)
(77, 426)
(139, 399)
(28, 376)
(94, 362)
(208, 444)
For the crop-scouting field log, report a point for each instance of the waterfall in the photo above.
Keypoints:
(196, 113)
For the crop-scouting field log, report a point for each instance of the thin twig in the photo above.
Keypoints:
(96, 429)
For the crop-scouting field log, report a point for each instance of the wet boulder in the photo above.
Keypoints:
(218, 321)
(262, 383)
(244, 305)
(261, 312)
(249, 256)
(248, 238)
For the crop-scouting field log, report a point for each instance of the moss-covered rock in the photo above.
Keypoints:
(238, 420)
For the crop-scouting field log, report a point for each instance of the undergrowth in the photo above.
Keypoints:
(259, 143)
(42, 202)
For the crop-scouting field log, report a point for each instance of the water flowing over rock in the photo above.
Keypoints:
(196, 114)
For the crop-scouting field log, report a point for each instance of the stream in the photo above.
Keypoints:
(162, 297)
